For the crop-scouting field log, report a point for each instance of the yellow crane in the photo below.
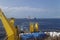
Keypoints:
(11, 30)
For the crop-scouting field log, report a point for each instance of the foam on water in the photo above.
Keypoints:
(52, 34)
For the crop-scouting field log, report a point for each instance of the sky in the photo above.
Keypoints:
(32, 8)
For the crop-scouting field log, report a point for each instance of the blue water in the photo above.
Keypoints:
(44, 25)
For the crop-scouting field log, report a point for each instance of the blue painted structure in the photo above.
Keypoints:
(37, 35)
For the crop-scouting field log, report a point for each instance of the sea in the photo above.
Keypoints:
(45, 25)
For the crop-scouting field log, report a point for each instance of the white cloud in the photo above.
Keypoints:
(23, 9)
(29, 11)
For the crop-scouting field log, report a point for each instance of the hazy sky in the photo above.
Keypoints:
(33, 8)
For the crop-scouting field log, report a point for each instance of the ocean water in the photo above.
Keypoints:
(44, 25)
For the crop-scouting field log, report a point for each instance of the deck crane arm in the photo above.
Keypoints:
(9, 28)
